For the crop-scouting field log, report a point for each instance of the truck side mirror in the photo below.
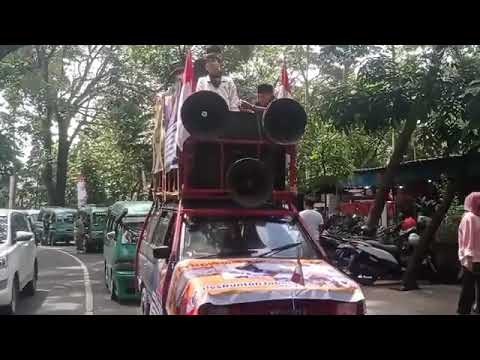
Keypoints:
(161, 252)
(23, 236)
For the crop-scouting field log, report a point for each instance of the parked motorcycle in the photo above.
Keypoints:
(369, 260)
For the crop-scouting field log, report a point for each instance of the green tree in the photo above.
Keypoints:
(388, 93)
(453, 129)
(324, 151)
(59, 90)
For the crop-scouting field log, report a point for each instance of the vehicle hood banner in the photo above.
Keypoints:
(230, 281)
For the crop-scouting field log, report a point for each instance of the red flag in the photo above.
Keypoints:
(188, 74)
(285, 90)
(187, 90)
(297, 276)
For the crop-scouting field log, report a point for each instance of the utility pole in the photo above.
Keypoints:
(12, 191)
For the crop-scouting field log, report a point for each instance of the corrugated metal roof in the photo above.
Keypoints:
(411, 171)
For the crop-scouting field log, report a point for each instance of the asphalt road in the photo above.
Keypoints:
(69, 287)
(73, 284)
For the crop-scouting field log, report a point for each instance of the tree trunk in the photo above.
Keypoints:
(418, 111)
(453, 187)
(400, 148)
(62, 162)
(307, 90)
(410, 276)
(45, 126)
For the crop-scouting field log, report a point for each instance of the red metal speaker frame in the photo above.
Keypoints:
(174, 185)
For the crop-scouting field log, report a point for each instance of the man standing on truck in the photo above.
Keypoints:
(215, 80)
(265, 95)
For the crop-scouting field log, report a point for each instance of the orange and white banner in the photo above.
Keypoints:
(232, 281)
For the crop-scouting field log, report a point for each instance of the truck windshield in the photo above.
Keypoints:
(245, 237)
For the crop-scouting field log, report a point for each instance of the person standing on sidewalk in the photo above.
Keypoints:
(469, 252)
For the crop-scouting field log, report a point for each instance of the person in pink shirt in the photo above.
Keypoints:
(469, 252)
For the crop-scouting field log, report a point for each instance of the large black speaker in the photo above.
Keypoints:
(284, 121)
(204, 113)
(250, 182)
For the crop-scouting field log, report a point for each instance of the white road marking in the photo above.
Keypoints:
(86, 281)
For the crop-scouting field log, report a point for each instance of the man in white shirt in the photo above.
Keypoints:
(216, 82)
(312, 219)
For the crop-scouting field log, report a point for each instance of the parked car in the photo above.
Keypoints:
(96, 221)
(124, 222)
(57, 225)
(18, 259)
(33, 218)
(224, 260)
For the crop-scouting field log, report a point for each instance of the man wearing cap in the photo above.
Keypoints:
(215, 81)
(265, 95)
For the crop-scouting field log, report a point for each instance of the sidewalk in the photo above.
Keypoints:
(383, 299)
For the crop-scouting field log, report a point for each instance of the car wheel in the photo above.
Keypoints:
(11, 308)
(145, 306)
(31, 287)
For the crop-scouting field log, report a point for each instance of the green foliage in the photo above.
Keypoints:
(323, 151)
(354, 95)
(112, 169)
(8, 147)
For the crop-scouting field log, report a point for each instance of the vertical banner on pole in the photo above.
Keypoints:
(81, 191)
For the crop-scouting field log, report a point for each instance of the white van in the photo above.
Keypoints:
(18, 259)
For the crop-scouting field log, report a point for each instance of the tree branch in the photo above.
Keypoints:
(81, 123)
(89, 62)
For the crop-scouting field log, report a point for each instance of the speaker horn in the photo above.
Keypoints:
(204, 113)
(250, 182)
(284, 121)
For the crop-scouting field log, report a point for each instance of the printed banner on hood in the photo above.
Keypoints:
(229, 281)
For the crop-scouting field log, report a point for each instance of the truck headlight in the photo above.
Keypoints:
(3, 262)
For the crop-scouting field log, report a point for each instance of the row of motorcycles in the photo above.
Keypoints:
(382, 256)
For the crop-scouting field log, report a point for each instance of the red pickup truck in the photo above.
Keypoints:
(223, 236)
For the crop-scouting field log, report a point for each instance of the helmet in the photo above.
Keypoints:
(413, 239)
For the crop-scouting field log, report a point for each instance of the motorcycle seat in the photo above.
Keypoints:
(392, 249)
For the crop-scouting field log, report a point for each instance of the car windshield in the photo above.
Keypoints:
(3, 228)
(245, 237)
(66, 218)
(133, 226)
(99, 219)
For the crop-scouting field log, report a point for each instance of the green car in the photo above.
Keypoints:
(124, 223)
(57, 225)
(95, 225)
